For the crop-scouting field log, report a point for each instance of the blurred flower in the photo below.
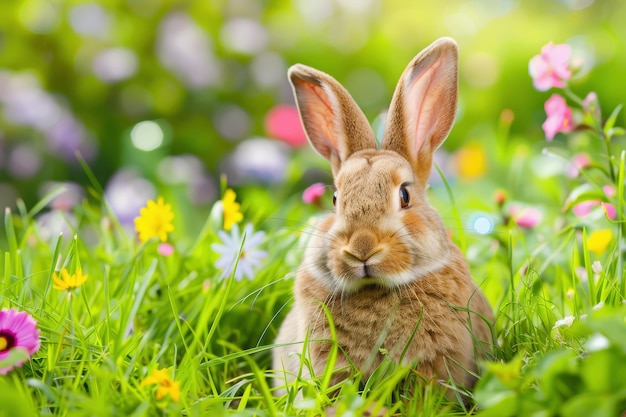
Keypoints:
(165, 249)
(525, 217)
(471, 161)
(244, 35)
(598, 240)
(596, 267)
(283, 122)
(579, 162)
(155, 220)
(67, 194)
(549, 69)
(257, 159)
(185, 48)
(90, 19)
(609, 190)
(313, 193)
(250, 256)
(166, 386)
(115, 64)
(24, 102)
(583, 208)
(609, 210)
(591, 107)
(126, 193)
(566, 321)
(232, 215)
(68, 281)
(52, 223)
(18, 332)
(559, 117)
(500, 197)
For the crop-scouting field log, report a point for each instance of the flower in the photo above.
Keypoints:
(471, 161)
(18, 334)
(232, 215)
(598, 240)
(549, 69)
(231, 246)
(526, 217)
(313, 193)
(283, 122)
(68, 281)
(165, 249)
(559, 117)
(500, 197)
(165, 384)
(583, 208)
(579, 162)
(155, 220)
(566, 321)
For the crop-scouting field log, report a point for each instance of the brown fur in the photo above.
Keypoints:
(385, 271)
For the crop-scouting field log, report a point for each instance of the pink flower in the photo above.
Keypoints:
(609, 210)
(283, 122)
(165, 249)
(559, 117)
(584, 208)
(526, 217)
(18, 332)
(579, 161)
(549, 69)
(609, 190)
(313, 193)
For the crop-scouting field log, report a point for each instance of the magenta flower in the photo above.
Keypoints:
(283, 122)
(525, 217)
(313, 193)
(549, 69)
(18, 331)
(559, 117)
(165, 249)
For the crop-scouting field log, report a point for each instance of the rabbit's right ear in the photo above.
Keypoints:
(423, 106)
(334, 124)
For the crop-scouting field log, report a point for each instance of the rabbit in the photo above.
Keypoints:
(382, 263)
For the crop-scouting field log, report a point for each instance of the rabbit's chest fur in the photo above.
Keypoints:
(418, 322)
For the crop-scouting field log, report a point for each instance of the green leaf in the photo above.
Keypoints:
(610, 122)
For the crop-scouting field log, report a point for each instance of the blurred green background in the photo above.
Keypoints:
(156, 93)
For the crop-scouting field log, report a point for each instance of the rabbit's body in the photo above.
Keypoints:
(382, 263)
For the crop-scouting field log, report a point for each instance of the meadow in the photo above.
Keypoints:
(171, 307)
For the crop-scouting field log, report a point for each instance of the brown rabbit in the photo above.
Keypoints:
(382, 262)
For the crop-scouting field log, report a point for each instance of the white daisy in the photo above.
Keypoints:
(250, 256)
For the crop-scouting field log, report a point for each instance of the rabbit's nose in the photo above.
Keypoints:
(361, 246)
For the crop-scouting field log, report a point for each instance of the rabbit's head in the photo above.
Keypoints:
(382, 232)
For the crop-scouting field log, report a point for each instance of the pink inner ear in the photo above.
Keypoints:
(421, 106)
(318, 118)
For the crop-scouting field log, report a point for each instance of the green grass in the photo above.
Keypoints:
(140, 311)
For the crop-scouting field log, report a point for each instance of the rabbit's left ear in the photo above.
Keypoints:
(423, 107)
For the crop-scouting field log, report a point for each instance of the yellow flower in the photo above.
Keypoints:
(232, 214)
(471, 161)
(155, 220)
(68, 281)
(598, 240)
(165, 384)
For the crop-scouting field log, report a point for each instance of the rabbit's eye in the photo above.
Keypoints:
(404, 196)
(335, 198)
